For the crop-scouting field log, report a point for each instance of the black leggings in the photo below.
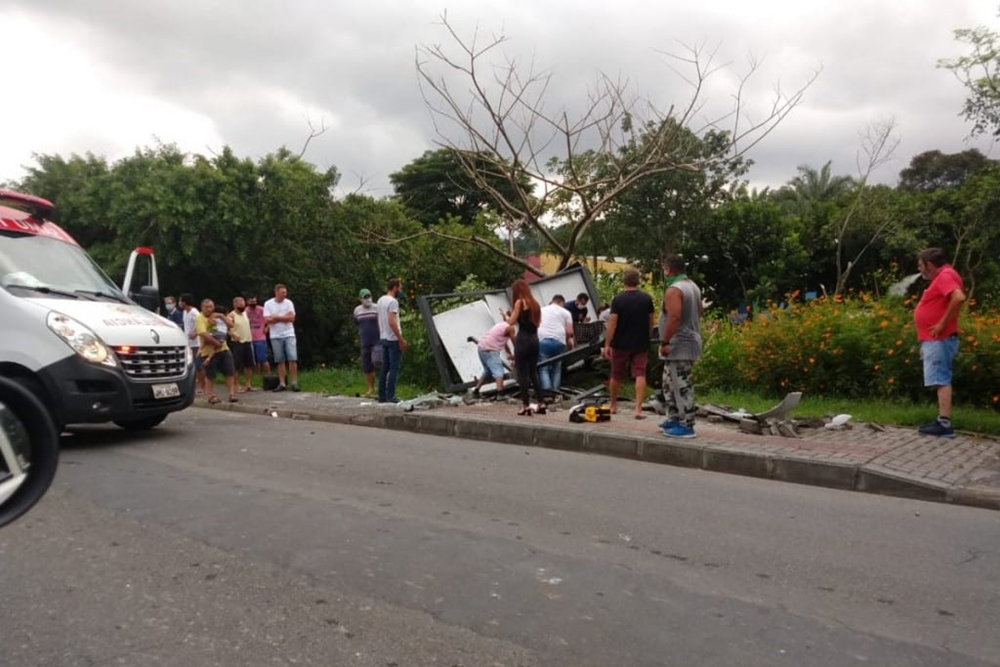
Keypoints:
(526, 362)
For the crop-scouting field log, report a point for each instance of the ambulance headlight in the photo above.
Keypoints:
(81, 338)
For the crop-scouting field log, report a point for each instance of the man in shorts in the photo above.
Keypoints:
(936, 318)
(491, 348)
(214, 351)
(627, 341)
(241, 345)
(258, 336)
(366, 317)
(279, 315)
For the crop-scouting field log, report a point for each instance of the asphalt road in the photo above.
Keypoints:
(225, 539)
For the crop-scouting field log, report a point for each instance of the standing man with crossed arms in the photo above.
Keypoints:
(279, 315)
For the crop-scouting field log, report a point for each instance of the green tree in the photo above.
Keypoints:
(436, 186)
(665, 212)
(499, 111)
(754, 251)
(810, 187)
(979, 73)
(933, 169)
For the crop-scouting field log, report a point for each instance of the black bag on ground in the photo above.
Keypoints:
(270, 382)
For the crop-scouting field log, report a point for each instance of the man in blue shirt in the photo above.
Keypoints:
(174, 314)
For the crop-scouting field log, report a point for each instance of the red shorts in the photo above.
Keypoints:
(623, 360)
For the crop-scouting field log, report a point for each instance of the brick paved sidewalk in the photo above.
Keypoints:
(896, 461)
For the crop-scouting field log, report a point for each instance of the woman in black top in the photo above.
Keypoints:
(527, 315)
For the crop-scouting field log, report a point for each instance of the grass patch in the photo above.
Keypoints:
(351, 381)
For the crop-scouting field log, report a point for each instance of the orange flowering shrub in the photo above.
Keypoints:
(853, 347)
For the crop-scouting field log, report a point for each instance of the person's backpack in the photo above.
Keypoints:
(270, 382)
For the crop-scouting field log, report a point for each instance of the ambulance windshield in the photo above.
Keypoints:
(34, 263)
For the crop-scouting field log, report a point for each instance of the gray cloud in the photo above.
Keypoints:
(259, 70)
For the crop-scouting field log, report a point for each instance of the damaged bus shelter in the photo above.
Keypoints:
(456, 321)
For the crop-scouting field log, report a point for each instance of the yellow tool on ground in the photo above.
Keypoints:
(590, 412)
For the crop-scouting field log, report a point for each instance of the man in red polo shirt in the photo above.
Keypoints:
(936, 318)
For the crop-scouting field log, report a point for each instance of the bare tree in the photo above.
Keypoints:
(313, 133)
(497, 124)
(878, 144)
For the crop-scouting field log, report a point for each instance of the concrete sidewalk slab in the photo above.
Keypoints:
(893, 461)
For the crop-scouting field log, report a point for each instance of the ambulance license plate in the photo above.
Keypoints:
(166, 390)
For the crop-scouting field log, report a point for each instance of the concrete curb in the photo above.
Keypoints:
(696, 453)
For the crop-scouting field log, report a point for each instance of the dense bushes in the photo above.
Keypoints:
(855, 347)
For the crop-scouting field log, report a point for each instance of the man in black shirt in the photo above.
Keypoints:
(578, 308)
(627, 341)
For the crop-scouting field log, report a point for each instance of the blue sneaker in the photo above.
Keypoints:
(668, 424)
(679, 431)
(938, 429)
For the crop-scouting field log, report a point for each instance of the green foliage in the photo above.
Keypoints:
(608, 284)
(754, 252)
(349, 381)
(811, 187)
(852, 348)
(224, 226)
(437, 185)
(932, 170)
(979, 72)
(664, 210)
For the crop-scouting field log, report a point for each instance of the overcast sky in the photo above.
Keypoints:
(106, 76)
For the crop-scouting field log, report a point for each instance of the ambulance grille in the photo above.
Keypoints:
(151, 363)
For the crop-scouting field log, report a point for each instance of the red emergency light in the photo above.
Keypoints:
(39, 208)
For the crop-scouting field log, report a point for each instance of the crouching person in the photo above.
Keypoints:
(491, 348)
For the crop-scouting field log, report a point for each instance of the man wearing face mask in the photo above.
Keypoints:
(240, 344)
(258, 336)
(174, 314)
(366, 317)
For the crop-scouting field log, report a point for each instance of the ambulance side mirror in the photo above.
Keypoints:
(29, 450)
(148, 297)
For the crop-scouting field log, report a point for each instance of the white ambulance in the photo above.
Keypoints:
(70, 335)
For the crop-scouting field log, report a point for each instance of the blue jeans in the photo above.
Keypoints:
(392, 359)
(550, 375)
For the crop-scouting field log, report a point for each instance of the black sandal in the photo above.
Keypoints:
(541, 409)
(524, 412)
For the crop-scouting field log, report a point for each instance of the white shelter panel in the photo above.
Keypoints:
(454, 328)
(497, 303)
(568, 285)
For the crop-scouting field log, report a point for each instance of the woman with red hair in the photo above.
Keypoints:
(527, 315)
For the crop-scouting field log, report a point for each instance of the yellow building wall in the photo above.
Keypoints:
(549, 263)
